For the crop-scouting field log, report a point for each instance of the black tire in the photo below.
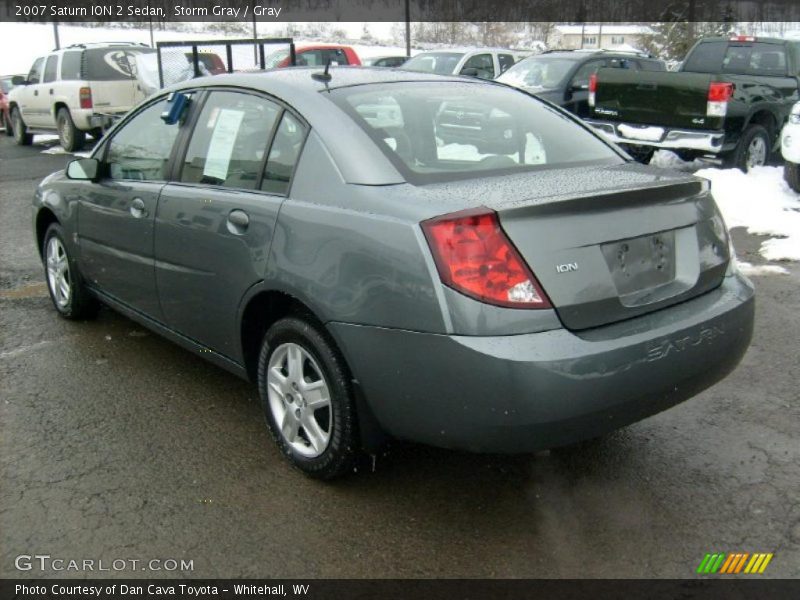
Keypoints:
(791, 173)
(740, 157)
(342, 451)
(72, 139)
(21, 135)
(80, 304)
(7, 124)
(642, 154)
(687, 155)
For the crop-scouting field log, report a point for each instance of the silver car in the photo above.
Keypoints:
(399, 255)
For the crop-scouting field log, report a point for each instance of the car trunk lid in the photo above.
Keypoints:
(611, 243)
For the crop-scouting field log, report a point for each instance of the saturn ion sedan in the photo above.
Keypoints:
(396, 255)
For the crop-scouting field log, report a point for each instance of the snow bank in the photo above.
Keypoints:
(762, 202)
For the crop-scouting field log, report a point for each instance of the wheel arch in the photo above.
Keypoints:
(767, 119)
(58, 105)
(44, 218)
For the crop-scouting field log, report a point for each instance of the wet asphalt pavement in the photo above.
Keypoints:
(116, 444)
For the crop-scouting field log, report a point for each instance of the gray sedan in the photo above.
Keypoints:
(400, 255)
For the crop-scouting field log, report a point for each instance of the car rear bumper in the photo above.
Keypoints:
(526, 392)
(676, 139)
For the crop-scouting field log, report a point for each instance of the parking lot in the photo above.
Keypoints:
(117, 444)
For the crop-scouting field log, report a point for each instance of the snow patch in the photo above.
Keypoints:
(762, 202)
(749, 269)
(644, 134)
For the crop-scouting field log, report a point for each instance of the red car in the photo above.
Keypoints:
(313, 55)
(5, 87)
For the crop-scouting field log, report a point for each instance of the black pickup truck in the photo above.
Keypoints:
(728, 101)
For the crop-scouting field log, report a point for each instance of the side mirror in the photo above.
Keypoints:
(18, 80)
(83, 169)
(470, 72)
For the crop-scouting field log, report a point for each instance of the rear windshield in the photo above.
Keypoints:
(443, 63)
(451, 130)
(743, 58)
(115, 63)
(540, 73)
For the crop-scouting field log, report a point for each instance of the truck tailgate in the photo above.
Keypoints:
(654, 98)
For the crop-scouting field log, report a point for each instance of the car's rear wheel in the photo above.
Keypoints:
(21, 135)
(307, 398)
(71, 138)
(70, 297)
(753, 149)
(791, 173)
(7, 124)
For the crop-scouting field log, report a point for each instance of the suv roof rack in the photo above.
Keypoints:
(90, 44)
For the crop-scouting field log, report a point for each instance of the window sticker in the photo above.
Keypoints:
(221, 147)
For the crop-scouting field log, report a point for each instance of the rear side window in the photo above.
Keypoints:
(283, 155)
(140, 150)
(506, 62)
(337, 57)
(50, 68)
(35, 74)
(230, 140)
(706, 58)
(451, 130)
(112, 63)
(71, 65)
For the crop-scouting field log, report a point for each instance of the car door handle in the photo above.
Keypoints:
(51, 91)
(35, 92)
(239, 218)
(138, 208)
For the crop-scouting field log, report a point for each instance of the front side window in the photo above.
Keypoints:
(35, 75)
(50, 68)
(480, 65)
(450, 130)
(230, 140)
(141, 149)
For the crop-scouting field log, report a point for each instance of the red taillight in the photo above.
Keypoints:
(592, 89)
(86, 97)
(743, 38)
(720, 92)
(474, 256)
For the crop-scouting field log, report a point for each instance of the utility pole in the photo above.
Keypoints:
(255, 37)
(408, 27)
(55, 34)
(152, 43)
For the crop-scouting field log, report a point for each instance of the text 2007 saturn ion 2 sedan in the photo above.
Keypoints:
(436, 259)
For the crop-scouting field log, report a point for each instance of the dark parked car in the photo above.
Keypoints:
(384, 61)
(728, 101)
(526, 287)
(562, 77)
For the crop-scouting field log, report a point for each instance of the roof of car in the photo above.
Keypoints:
(300, 78)
(358, 161)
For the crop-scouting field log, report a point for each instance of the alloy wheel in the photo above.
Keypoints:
(58, 272)
(756, 153)
(64, 131)
(299, 400)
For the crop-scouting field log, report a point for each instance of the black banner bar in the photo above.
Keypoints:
(391, 10)
(744, 588)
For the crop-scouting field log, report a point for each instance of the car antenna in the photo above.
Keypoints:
(324, 76)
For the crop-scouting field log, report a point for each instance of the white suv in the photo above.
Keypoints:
(790, 148)
(74, 91)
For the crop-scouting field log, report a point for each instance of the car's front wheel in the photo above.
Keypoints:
(791, 173)
(70, 297)
(71, 138)
(21, 135)
(307, 398)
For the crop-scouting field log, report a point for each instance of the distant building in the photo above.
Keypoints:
(608, 37)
